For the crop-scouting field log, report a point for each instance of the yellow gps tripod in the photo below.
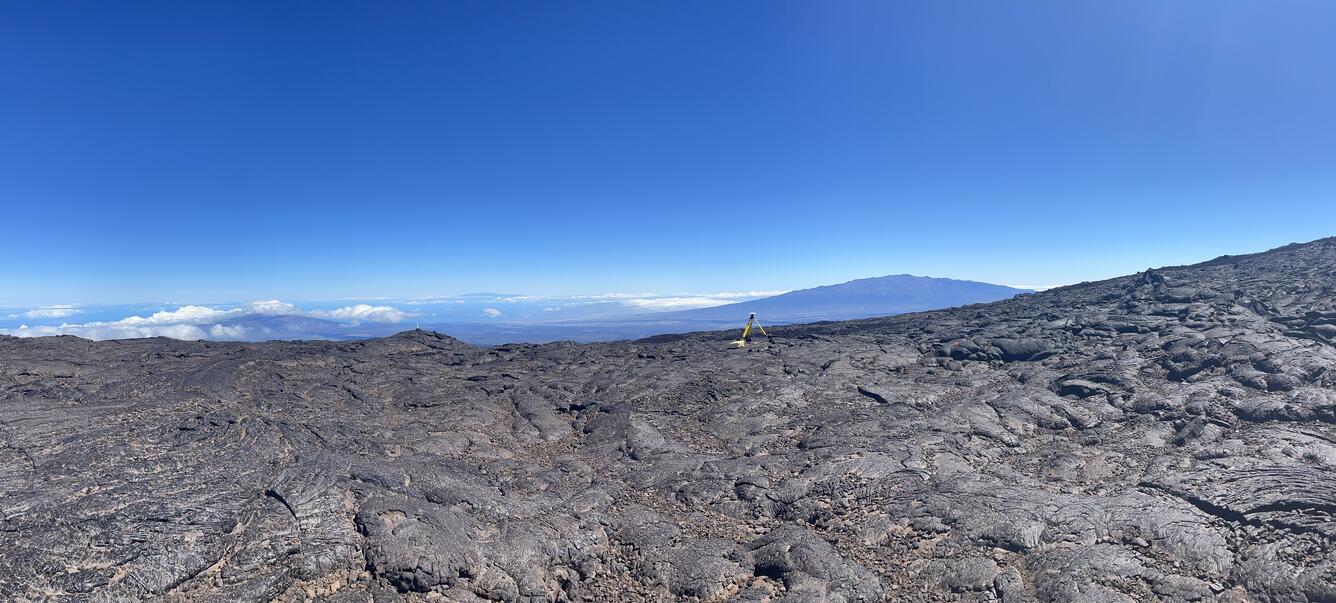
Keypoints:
(746, 332)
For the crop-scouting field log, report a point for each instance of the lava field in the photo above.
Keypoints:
(1164, 436)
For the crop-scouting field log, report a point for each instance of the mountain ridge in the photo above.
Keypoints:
(858, 298)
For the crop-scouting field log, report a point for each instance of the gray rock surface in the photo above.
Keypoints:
(1166, 436)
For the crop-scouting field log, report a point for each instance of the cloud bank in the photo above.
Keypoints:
(363, 312)
(60, 311)
(691, 302)
(193, 322)
(630, 301)
(240, 322)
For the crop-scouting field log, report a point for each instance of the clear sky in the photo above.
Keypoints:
(199, 151)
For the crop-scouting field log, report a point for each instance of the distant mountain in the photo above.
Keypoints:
(862, 298)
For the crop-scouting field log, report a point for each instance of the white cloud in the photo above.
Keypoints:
(637, 301)
(192, 322)
(365, 312)
(491, 312)
(58, 311)
(181, 323)
(691, 301)
(428, 300)
(271, 306)
(184, 314)
(674, 303)
(100, 331)
(745, 294)
(612, 296)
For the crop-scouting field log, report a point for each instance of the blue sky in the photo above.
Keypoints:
(201, 152)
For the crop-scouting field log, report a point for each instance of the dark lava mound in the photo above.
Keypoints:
(1163, 436)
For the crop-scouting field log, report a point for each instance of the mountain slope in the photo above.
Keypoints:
(1164, 436)
(862, 298)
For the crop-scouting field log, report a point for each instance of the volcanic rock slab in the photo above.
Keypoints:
(1166, 436)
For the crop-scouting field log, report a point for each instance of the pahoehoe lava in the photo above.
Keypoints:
(1169, 435)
